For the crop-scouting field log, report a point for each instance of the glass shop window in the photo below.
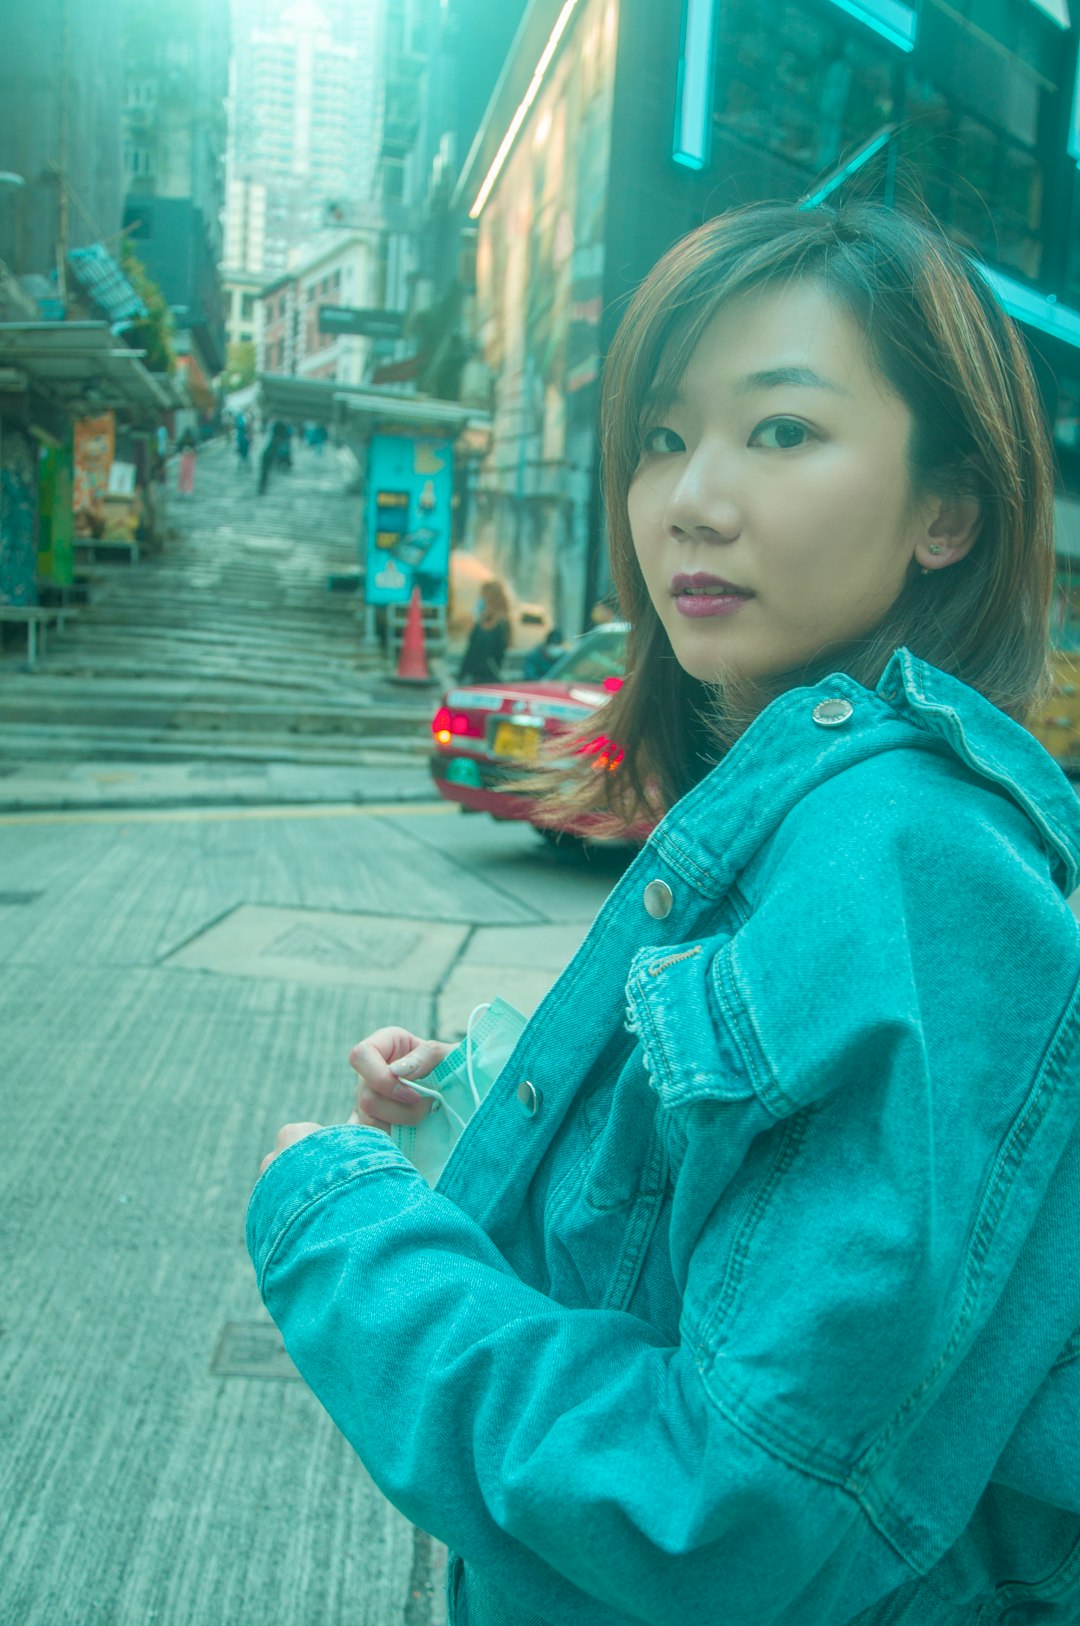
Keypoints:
(980, 182)
(798, 85)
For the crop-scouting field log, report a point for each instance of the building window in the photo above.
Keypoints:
(891, 19)
(247, 307)
(986, 187)
(797, 85)
(813, 89)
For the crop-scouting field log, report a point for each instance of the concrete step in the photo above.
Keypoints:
(192, 714)
(37, 743)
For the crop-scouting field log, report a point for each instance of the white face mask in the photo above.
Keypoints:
(461, 1081)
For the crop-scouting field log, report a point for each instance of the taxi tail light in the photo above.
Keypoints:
(447, 725)
(606, 754)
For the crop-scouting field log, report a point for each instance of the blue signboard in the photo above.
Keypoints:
(410, 486)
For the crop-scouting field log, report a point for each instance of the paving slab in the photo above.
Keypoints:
(320, 945)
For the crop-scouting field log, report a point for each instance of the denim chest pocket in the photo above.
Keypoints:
(691, 1049)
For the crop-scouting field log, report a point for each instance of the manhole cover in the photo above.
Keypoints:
(357, 945)
(324, 946)
(251, 1349)
(12, 900)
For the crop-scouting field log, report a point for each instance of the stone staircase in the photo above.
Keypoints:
(226, 646)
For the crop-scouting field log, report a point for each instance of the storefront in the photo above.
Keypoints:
(619, 126)
(417, 460)
(55, 377)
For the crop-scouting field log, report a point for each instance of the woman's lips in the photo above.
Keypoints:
(719, 603)
(707, 595)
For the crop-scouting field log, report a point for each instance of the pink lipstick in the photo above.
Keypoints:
(702, 594)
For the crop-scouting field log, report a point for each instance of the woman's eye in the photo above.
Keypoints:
(661, 440)
(780, 434)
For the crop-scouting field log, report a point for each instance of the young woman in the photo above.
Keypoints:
(186, 480)
(490, 637)
(751, 1293)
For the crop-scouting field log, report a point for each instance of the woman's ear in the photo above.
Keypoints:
(951, 533)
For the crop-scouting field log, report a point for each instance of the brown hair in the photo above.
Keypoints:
(496, 603)
(939, 336)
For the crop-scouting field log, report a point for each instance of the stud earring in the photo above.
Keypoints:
(931, 547)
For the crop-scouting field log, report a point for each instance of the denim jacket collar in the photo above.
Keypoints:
(715, 829)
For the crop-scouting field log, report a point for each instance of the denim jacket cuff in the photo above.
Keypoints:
(305, 1172)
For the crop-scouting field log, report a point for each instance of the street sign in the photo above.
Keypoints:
(373, 324)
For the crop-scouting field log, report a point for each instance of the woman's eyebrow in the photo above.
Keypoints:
(771, 378)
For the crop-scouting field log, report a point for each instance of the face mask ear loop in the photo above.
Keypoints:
(479, 1009)
(440, 1101)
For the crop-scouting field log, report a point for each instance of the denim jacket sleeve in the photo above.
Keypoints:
(842, 1228)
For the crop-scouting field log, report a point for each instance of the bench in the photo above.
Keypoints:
(37, 618)
(118, 547)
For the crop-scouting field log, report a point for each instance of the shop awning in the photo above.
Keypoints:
(360, 408)
(81, 367)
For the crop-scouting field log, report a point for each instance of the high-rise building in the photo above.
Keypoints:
(176, 78)
(302, 121)
(61, 87)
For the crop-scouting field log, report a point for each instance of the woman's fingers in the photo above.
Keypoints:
(384, 1113)
(371, 1059)
(421, 1060)
(384, 1062)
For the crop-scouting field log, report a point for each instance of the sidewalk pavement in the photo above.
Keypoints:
(64, 786)
(178, 983)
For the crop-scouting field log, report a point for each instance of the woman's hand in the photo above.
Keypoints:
(287, 1135)
(384, 1061)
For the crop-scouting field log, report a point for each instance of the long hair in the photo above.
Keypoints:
(940, 338)
(496, 603)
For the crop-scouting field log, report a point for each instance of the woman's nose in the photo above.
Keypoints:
(701, 505)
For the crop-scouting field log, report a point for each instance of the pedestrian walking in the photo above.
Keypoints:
(490, 636)
(186, 482)
(243, 441)
(751, 1292)
(271, 453)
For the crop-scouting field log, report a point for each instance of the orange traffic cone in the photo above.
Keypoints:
(412, 664)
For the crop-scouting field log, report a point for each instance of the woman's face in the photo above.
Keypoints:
(771, 511)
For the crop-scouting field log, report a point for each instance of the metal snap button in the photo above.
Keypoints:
(529, 1097)
(658, 900)
(832, 713)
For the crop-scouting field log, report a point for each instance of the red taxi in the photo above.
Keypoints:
(487, 735)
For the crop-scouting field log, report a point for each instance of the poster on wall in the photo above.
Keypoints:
(95, 445)
(410, 487)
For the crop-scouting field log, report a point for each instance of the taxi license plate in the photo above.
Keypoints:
(511, 740)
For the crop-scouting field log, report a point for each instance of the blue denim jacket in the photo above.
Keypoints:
(762, 1306)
